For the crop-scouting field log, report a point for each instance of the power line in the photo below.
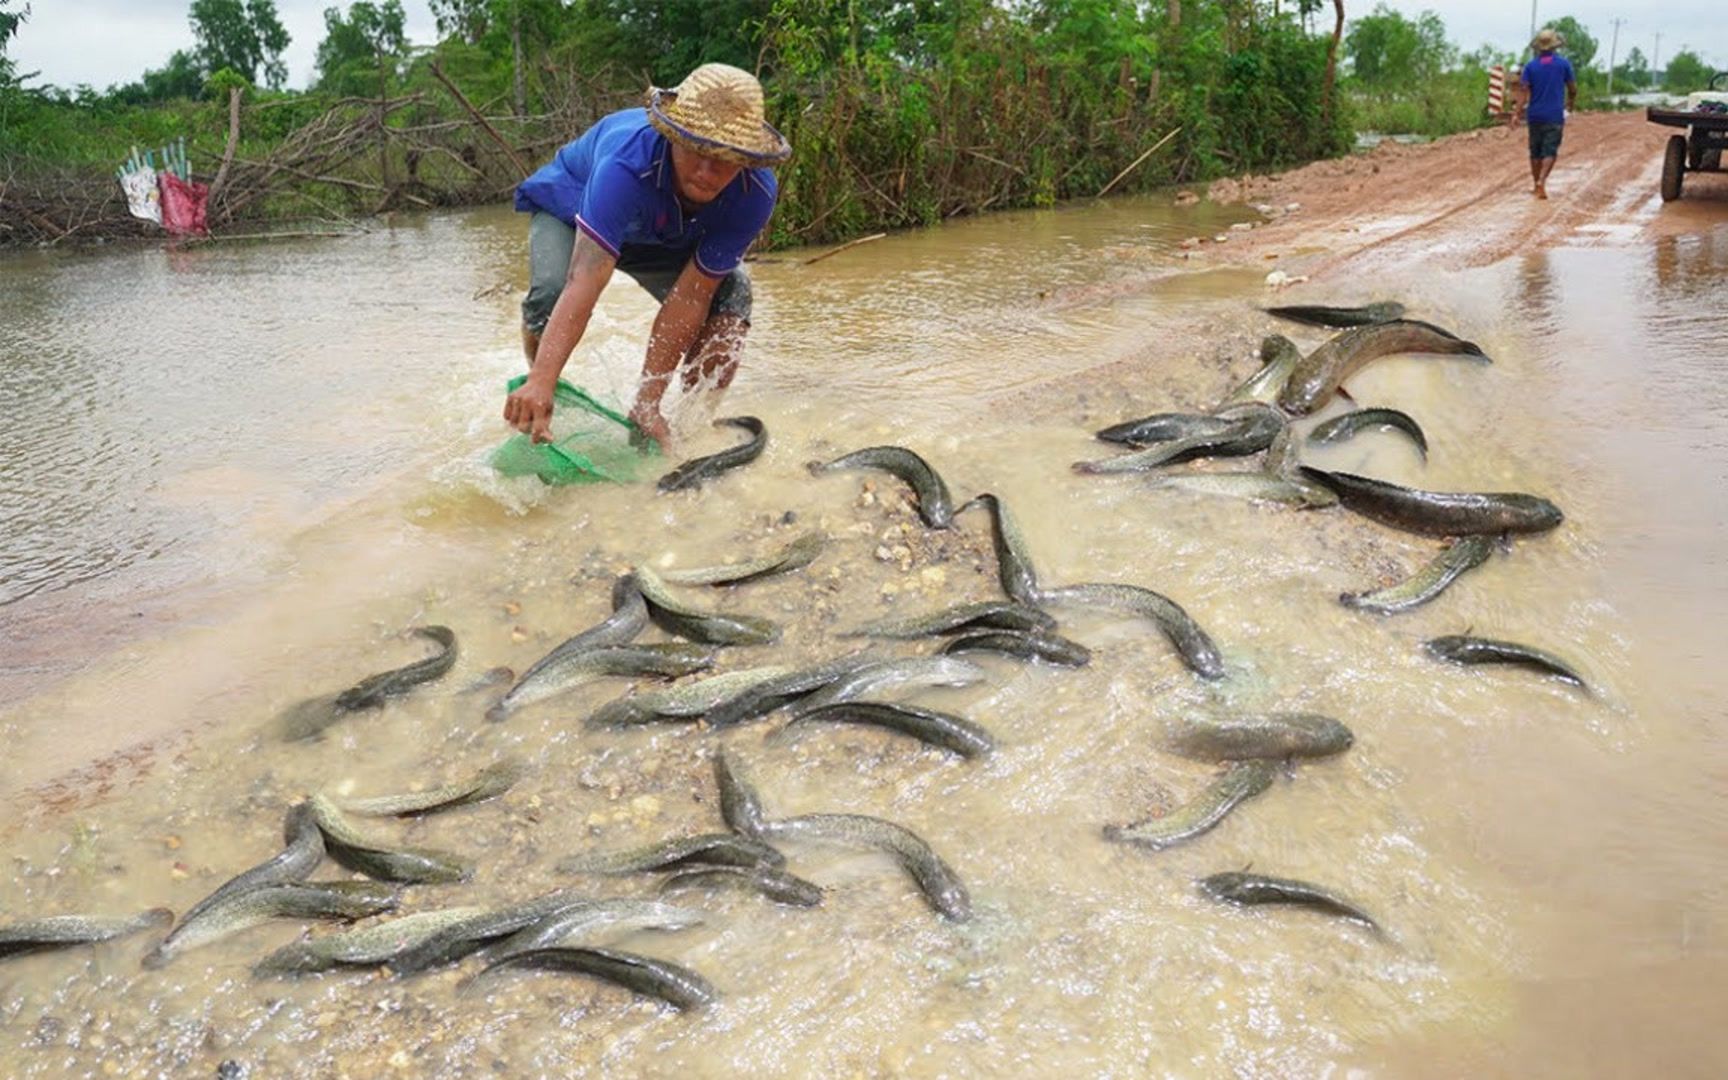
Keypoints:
(1613, 49)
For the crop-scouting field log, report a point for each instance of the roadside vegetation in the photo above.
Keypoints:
(904, 112)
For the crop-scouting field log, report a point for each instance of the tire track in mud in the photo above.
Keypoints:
(1464, 201)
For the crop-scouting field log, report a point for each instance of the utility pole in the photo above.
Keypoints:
(1656, 62)
(1612, 50)
(1532, 20)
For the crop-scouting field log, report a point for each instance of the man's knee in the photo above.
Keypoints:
(537, 307)
(550, 243)
(733, 296)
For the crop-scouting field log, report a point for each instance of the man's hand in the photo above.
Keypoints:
(646, 416)
(529, 409)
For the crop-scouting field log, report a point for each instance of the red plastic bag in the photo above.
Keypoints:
(183, 204)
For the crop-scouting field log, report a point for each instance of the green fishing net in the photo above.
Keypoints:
(590, 443)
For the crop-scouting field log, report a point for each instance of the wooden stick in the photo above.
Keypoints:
(438, 73)
(1136, 162)
(848, 244)
(259, 236)
(995, 161)
(233, 141)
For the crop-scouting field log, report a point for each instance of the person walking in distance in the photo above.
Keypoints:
(1546, 91)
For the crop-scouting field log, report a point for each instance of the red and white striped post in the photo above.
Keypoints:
(1497, 90)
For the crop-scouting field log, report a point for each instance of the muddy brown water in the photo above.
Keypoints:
(234, 477)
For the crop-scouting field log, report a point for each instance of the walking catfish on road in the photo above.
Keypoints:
(697, 471)
(1425, 584)
(1340, 428)
(1438, 513)
(1339, 318)
(1463, 649)
(1319, 375)
(935, 504)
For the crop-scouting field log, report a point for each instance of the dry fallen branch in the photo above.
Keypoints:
(848, 245)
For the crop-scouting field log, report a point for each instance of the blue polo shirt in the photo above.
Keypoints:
(615, 184)
(1547, 77)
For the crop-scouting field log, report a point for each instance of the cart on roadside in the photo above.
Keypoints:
(1700, 149)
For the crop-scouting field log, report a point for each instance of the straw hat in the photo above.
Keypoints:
(717, 110)
(1548, 40)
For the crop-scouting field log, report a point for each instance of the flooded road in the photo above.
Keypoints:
(294, 473)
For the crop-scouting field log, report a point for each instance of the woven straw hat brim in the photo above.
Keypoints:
(1548, 39)
(754, 143)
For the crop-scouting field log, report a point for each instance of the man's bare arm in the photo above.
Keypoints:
(529, 408)
(675, 328)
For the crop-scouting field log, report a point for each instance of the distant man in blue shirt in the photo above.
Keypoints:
(1547, 90)
(673, 195)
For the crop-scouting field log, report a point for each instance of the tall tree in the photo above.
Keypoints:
(1634, 70)
(1386, 48)
(362, 49)
(9, 23)
(1331, 76)
(1581, 45)
(467, 19)
(1686, 72)
(244, 35)
(181, 77)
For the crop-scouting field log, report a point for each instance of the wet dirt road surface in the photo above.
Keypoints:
(1546, 863)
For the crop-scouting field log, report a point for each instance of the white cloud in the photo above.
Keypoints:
(1700, 24)
(104, 42)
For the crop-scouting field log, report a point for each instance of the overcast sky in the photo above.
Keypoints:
(102, 42)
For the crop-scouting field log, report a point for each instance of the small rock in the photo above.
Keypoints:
(512, 608)
(1221, 238)
(518, 635)
(883, 554)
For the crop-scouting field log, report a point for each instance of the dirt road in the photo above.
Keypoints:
(1465, 201)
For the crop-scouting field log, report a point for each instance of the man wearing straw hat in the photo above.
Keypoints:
(673, 195)
(1546, 90)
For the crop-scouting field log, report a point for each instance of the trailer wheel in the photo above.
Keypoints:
(1673, 167)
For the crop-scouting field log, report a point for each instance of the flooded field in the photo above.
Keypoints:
(234, 478)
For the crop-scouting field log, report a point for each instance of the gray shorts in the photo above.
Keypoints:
(656, 269)
(1545, 140)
